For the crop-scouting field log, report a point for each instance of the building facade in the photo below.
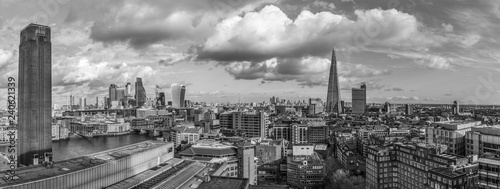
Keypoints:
(35, 95)
(359, 99)
(333, 96)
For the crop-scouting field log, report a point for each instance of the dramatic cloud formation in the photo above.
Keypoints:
(269, 33)
(309, 71)
(143, 23)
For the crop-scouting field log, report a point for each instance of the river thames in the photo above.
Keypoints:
(79, 146)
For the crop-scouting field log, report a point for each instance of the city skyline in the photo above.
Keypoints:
(433, 56)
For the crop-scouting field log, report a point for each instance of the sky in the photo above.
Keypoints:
(406, 51)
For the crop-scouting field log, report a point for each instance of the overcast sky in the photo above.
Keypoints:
(407, 51)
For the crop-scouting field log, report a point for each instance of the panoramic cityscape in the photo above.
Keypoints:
(216, 94)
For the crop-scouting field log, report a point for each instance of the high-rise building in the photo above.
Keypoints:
(456, 108)
(408, 109)
(97, 102)
(176, 95)
(333, 95)
(161, 99)
(128, 90)
(359, 100)
(35, 95)
(83, 103)
(183, 96)
(140, 92)
(112, 94)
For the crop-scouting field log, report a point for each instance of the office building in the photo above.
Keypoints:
(140, 92)
(333, 95)
(483, 140)
(183, 97)
(418, 166)
(35, 95)
(456, 108)
(359, 100)
(315, 106)
(318, 134)
(83, 103)
(451, 134)
(408, 109)
(112, 94)
(247, 164)
(176, 95)
(305, 168)
(128, 90)
(251, 124)
(489, 172)
(161, 99)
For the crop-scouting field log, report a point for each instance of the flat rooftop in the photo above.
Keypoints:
(39, 172)
(447, 172)
(224, 182)
(489, 160)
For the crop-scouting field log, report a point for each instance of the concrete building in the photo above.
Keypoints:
(359, 99)
(450, 133)
(489, 173)
(483, 139)
(35, 95)
(318, 134)
(305, 168)
(251, 124)
(98, 170)
(247, 163)
(190, 134)
(418, 166)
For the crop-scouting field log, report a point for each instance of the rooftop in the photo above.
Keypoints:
(194, 151)
(38, 172)
(224, 182)
(489, 160)
(447, 172)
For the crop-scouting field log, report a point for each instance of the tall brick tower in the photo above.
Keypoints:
(35, 95)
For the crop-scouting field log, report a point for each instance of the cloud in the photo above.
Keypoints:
(395, 89)
(309, 71)
(426, 60)
(143, 23)
(5, 56)
(431, 99)
(447, 27)
(396, 98)
(269, 33)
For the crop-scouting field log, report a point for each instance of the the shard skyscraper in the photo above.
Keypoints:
(333, 95)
